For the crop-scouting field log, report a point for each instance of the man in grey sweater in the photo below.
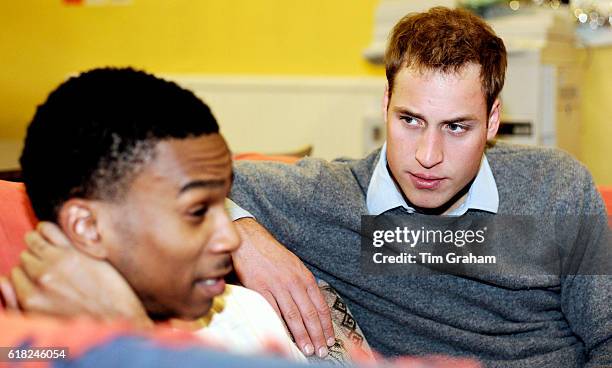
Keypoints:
(445, 70)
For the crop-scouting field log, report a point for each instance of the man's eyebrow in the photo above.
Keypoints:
(459, 119)
(404, 111)
(202, 184)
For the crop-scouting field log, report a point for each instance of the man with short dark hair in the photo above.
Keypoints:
(135, 172)
(113, 155)
(445, 70)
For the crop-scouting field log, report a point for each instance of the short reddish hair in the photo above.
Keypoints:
(447, 40)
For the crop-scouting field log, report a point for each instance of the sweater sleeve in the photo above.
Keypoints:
(586, 289)
(278, 195)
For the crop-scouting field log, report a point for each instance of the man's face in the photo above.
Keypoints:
(436, 134)
(171, 237)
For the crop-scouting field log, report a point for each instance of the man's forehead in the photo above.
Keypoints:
(436, 84)
(179, 161)
(468, 71)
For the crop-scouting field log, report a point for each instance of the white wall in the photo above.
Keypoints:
(10, 149)
(282, 114)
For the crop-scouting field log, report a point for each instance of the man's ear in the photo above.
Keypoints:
(494, 119)
(385, 102)
(78, 220)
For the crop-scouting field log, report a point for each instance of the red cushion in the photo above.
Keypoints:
(16, 218)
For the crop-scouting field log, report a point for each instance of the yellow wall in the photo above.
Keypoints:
(42, 41)
(596, 111)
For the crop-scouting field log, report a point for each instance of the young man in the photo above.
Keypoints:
(445, 69)
(134, 171)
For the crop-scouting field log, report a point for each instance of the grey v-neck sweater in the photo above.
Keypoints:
(314, 208)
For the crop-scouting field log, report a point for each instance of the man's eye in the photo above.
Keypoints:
(457, 128)
(409, 120)
(198, 212)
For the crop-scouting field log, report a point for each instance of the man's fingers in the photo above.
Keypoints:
(293, 318)
(310, 318)
(24, 288)
(7, 293)
(324, 313)
(32, 266)
(38, 245)
(29, 297)
(53, 234)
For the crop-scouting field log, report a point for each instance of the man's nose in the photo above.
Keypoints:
(429, 151)
(225, 238)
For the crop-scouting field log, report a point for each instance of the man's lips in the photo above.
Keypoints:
(213, 285)
(425, 181)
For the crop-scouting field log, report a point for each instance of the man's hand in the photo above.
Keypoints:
(266, 266)
(55, 278)
(8, 298)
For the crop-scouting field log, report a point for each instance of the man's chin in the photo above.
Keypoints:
(431, 203)
(194, 314)
(185, 314)
(436, 202)
(427, 201)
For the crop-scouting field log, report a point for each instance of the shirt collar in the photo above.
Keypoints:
(384, 194)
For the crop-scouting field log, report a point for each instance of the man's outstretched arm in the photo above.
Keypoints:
(280, 197)
(266, 266)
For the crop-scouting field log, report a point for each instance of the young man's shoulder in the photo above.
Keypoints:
(531, 155)
(547, 163)
(312, 171)
(358, 167)
(542, 176)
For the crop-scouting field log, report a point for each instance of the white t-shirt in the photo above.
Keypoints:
(242, 321)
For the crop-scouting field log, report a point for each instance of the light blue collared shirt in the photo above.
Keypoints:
(384, 195)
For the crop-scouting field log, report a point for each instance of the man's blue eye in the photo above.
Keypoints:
(409, 120)
(456, 128)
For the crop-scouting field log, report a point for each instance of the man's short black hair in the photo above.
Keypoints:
(95, 131)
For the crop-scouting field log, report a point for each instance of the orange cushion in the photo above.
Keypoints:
(606, 193)
(252, 156)
(16, 218)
